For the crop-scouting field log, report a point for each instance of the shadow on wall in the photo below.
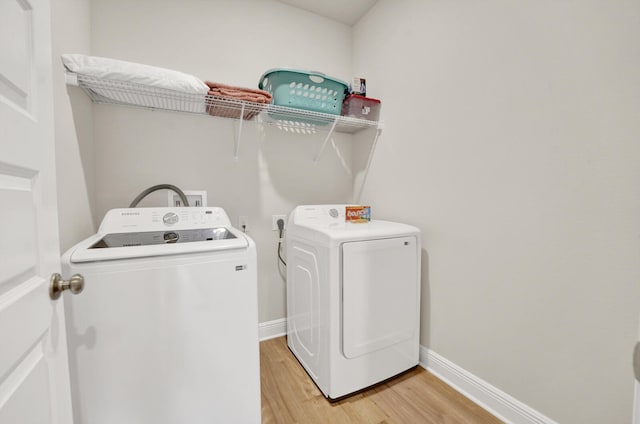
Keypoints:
(425, 301)
(363, 149)
(81, 108)
(301, 171)
(139, 148)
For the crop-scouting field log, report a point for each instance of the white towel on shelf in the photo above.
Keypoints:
(119, 70)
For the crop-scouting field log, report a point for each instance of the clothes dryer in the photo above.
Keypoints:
(353, 298)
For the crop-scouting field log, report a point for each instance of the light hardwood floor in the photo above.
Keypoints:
(289, 396)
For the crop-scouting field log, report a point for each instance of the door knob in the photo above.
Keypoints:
(75, 285)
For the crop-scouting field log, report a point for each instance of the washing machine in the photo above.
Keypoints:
(166, 328)
(353, 298)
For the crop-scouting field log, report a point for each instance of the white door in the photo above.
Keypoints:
(34, 380)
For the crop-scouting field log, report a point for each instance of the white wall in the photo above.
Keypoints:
(71, 33)
(511, 140)
(231, 42)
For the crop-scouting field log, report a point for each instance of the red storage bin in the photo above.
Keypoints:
(356, 106)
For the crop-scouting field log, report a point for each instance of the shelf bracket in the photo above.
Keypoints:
(239, 133)
(71, 78)
(324, 143)
(369, 159)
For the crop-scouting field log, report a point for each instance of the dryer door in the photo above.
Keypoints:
(380, 294)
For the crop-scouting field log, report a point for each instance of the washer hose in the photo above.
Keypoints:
(156, 188)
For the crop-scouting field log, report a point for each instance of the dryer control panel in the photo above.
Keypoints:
(328, 224)
(320, 215)
(325, 216)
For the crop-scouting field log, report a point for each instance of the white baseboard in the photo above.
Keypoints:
(272, 329)
(491, 398)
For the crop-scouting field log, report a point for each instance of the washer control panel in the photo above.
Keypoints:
(157, 219)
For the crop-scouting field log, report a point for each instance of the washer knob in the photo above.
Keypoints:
(170, 218)
(171, 237)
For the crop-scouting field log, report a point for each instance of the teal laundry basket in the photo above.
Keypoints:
(307, 90)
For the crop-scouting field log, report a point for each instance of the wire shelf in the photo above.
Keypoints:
(288, 119)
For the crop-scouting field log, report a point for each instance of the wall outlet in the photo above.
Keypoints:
(274, 221)
(197, 198)
(243, 223)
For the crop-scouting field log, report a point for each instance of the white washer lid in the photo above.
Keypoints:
(84, 253)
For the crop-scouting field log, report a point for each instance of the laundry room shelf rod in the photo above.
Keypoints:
(289, 119)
